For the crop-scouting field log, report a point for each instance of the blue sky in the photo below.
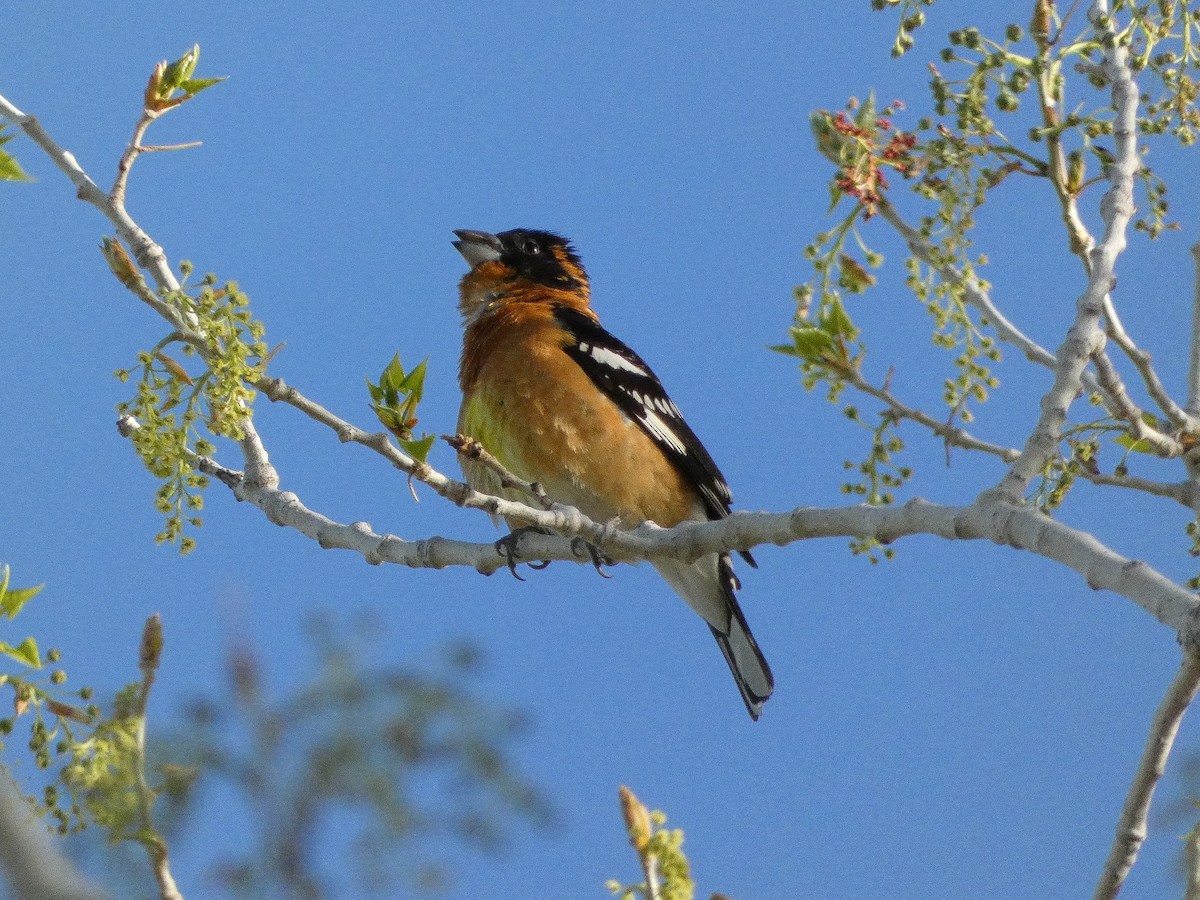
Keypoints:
(960, 722)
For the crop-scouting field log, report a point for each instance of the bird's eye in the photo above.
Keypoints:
(531, 248)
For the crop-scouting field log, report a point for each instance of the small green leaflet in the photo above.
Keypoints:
(11, 601)
(10, 169)
(395, 399)
(178, 76)
(25, 652)
(1129, 442)
(811, 343)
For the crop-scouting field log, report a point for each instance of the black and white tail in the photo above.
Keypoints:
(708, 586)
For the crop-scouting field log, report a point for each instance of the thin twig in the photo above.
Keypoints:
(1131, 829)
(147, 253)
(1065, 19)
(148, 658)
(470, 449)
(650, 868)
(952, 435)
(1182, 492)
(166, 148)
(973, 292)
(1049, 85)
(1129, 412)
(1144, 363)
(132, 151)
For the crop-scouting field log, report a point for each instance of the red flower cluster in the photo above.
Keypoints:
(864, 178)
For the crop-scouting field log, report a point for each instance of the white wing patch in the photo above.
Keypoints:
(661, 430)
(607, 357)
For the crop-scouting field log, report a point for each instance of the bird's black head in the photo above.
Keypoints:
(542, 257)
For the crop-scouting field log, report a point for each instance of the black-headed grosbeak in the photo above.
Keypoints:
(560, 401)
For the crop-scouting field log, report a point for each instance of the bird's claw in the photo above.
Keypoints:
(580, 547)
(507, 547)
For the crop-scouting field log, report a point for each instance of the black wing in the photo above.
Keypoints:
(622, 375)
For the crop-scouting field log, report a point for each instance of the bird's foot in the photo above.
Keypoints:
(507, 547)
(580, 547)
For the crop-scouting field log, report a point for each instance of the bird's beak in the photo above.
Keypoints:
(477, 246)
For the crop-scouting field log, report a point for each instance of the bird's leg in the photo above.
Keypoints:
(579, 547)
(507, 547)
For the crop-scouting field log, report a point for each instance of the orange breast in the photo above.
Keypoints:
(540, 415)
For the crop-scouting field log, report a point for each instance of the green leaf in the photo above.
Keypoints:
(866, 113)
(179, 71)
(12, 601)
(194, 86)
(10, 169)
(390, 418)
(393, 375)
(835, 197)
(419, 449)
(811, 343)
(395, 400)
(836, 321)
(828, 139)
(1129, 442)
(25, 652)
(413, 384)
(375, 391)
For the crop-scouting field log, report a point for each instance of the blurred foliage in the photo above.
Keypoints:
(1180, 814)
(106, 773)
(390, 765)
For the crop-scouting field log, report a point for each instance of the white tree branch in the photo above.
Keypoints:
(1116, 208)
(1134, 822)
(990, 518)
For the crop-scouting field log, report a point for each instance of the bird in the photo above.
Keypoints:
(560, 401)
